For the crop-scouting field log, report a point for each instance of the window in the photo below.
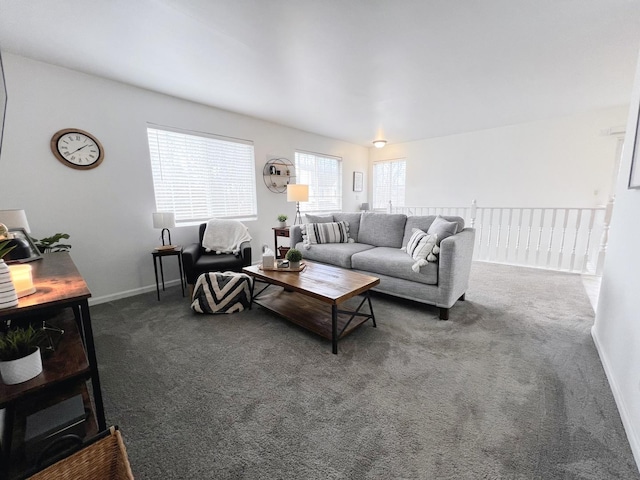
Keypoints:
(389, 181)
(200, 176)
(323, 174)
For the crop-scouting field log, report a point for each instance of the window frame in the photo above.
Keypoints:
(314, 197)
(209, 150)
(375, 189)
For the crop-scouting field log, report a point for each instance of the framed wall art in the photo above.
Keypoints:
(358, 180)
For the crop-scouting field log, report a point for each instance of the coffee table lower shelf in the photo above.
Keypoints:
(315, 315)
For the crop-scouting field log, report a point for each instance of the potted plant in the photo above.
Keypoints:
(51, 244)
(20, 358)
(283, 220)
(294, 256)
(8, 296)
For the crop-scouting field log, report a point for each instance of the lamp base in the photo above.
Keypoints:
(298, 215)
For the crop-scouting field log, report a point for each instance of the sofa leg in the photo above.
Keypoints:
(462, 297)
(444, 313)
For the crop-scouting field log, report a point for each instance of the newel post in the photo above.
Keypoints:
(604, 240)
(474, 208)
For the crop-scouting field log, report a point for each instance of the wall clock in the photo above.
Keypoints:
(77, 148)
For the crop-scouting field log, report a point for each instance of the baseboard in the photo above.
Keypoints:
(130, 293)
(629, 428)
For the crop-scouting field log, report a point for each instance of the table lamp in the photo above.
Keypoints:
(297, 193)
(165, 221)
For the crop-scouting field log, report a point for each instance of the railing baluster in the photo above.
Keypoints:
(564, 231)
(518, 235)
(540, 228)
(480, 228)
(474, 208)
(553, 225)
(498, 233)
(526, 252)
(489, 234)
(506, 246)
(585, 259)
(575, 239)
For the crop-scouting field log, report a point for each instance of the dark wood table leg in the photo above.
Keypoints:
(161, 272)
(93, 363)
(334, 329)
(155, 269)
(182, 282)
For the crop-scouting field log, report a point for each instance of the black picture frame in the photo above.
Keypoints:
(634, 172)
(3, 101)
(21, 233)
(358, 180)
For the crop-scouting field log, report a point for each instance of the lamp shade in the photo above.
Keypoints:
(15, 219)
(364, 207)
(297, 193)
(164, 220)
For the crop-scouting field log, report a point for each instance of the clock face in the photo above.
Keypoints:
(77, 149)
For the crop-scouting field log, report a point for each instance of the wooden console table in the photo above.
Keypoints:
(59, 286)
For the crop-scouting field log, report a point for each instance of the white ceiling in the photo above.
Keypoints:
(349, 69)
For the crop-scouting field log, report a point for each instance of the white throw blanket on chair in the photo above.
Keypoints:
(224, 236)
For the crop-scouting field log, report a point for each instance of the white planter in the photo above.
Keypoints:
(8, 296)
(283, 224)
(22, 369)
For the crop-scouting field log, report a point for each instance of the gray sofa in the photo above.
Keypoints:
(376, 250)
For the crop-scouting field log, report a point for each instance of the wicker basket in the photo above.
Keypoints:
(105, 459)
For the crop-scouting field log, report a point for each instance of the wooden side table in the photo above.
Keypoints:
(157, 256)
(280, 232)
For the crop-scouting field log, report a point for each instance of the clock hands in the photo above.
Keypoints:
(77, 149)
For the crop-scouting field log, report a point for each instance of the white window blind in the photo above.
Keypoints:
(199, 176)
(323, 174)
(389, 182)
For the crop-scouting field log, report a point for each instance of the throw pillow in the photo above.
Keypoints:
(421, 246)
(442, 228)
(316, 233)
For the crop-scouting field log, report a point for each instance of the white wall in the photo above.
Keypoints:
(107, 210)
(562, 162)
(617, 326)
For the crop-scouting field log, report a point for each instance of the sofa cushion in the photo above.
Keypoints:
(382, 229)
(318, 218)
(316, 233)
(353, 219)
(423, 222)
(442, 228)
(394, 263)
(338, 254)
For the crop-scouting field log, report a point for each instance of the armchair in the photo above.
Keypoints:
(197, 260)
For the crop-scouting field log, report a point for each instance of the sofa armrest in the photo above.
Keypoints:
(190, 255)
(295, 235)
(456, 254)
(245, 253)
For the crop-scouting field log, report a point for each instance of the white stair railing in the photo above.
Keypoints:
(555, 238)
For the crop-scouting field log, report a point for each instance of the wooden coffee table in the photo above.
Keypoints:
(307, 294)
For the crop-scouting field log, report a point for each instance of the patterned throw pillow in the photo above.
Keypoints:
(421, 247)
(333, 232)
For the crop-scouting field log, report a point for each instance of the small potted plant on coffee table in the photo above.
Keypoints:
(294, 256)
(283, 220)
(20, 358)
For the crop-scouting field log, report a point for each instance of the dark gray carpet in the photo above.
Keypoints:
(511, 387)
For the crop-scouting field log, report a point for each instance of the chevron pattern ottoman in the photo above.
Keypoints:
(221, 292)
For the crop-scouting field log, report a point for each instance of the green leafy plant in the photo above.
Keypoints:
(4, 248)
(20, 342)
(282, 218)
(50, 244)
(294, 255)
